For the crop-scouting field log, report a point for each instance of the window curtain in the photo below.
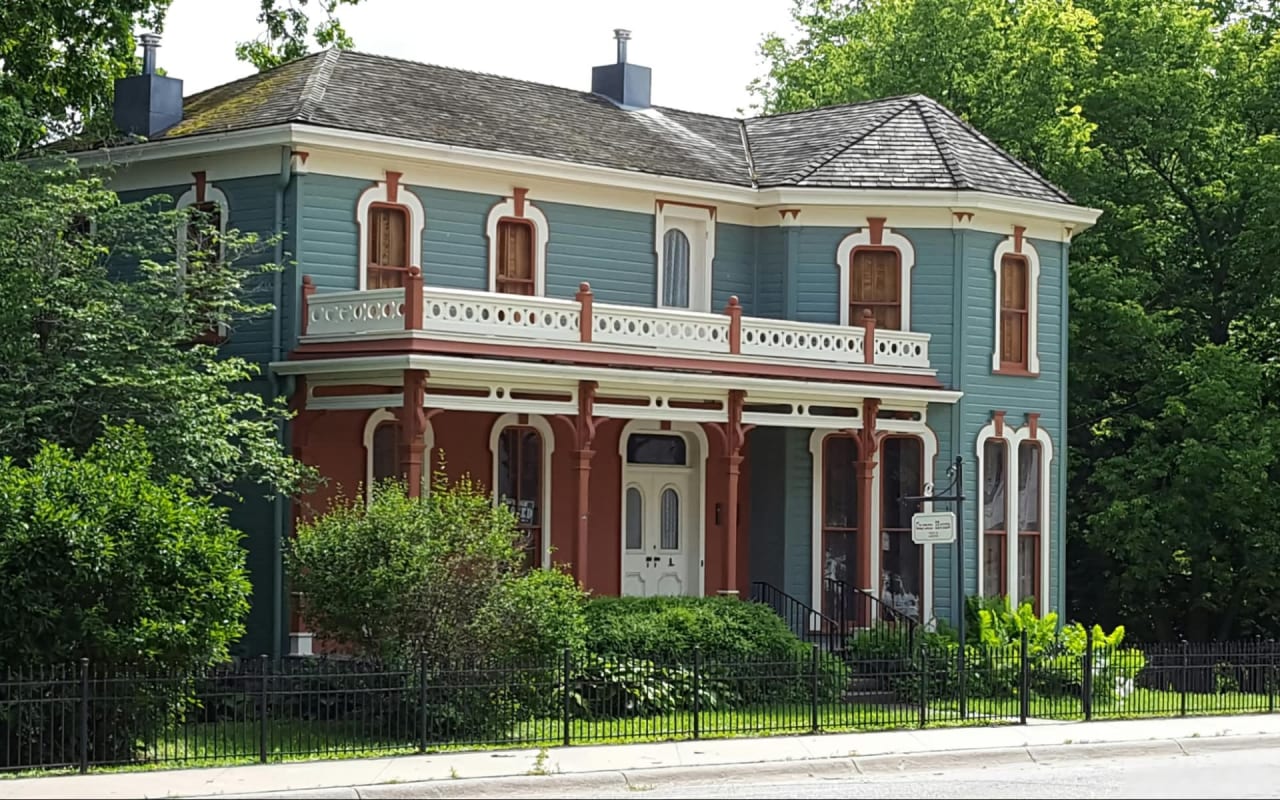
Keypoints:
(1029, 487)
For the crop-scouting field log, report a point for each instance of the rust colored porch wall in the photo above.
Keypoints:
(604, 537)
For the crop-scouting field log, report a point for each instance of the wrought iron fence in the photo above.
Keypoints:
(80, 716)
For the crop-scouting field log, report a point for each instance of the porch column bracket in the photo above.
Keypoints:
(733, 436)
(583, 426)
(413, 424)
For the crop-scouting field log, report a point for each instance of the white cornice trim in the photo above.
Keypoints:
(1078, 218)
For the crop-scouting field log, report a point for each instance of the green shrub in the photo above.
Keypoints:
(745, 645)
(531, 619)
(105, 563)
(607, 688)
(667, 629)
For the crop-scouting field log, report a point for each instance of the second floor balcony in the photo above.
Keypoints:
(581, 323)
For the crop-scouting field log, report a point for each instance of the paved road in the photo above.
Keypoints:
(1228, 773)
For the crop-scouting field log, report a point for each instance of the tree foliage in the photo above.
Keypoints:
(59, 58)
(1165, 114)
(99, 325)
(108, 564)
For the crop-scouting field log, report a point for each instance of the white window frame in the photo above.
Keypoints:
(1013, 437)
(541, 235)
(189, 198)
(929, 445)
(379, 193)
(906, 262)
(543, 427)
(1009, 247)
(376, 418)
(698, 224)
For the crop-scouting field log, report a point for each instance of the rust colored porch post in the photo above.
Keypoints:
(413, 424)
(868, 444)
(413, 299)
(584, 435)
(736, 435)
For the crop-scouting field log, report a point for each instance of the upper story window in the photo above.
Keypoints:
(876, 287)
(685, 238)
(875, 266)
(391, 220)
(203, 225)
(515, 269)
(388, 263)
(1017, 276)
(518, 236)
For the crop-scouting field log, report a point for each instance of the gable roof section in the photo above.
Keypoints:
(906, 143)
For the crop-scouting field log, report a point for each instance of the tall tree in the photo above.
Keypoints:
(59, 58)
(1165, 114)
(100, 326)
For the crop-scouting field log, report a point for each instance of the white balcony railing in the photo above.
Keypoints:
(485, 316)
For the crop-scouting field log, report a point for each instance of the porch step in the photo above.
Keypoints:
(869, 690)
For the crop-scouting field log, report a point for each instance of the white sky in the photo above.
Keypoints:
(703, 52)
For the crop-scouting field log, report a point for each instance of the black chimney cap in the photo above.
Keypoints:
(147, 104)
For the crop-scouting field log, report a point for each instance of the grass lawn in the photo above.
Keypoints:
(239, 742)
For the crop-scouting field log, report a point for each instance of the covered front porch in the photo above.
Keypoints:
(638, 482)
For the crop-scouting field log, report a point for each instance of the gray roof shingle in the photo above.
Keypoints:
(907, 142)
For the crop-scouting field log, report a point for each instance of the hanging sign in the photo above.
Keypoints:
(934, 527)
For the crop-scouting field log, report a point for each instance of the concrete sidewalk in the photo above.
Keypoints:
(498, 773)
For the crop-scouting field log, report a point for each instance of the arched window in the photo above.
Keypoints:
(839, 521)
(388, 263)
(391, 220)
(520, 485)
(901, 559)
(1015, 312)
(995, 542)
(1030, 489)
(382, 449)
(675, 269)
(517, 270)
(875, 285)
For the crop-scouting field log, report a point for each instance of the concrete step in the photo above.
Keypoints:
(870, 697)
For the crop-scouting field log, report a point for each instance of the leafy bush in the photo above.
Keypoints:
(109, 565)
(746, 645)
(440, 575)
(607, 688)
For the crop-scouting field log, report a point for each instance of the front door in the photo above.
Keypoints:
(660, 531)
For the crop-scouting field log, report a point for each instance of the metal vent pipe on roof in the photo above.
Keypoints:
(622, 35)
(150, 43)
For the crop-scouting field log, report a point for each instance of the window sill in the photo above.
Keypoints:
(1015, 371)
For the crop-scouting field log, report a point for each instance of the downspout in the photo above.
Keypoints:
(959, 437)
(277, 340)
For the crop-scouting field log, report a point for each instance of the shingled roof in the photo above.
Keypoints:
(906, 142)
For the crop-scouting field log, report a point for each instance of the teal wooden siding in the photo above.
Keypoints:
(328, 237)
(611, 250)
(733, 272)
(1016, 396)
(455, 247)
(771, 273)
(251, 209)
(813, 278)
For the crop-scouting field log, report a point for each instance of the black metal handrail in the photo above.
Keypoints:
(852, 607)
(808, 623)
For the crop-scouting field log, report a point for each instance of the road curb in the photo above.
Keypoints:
(881, 764)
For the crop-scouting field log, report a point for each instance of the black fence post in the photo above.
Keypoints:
(568, 671)
(1086, 680)
(263, 700)
(1271, 675)
(697, 691)
(1186, 676)
(924, 683)
(1024, 681)
(964, 693)
(422, 702)
(815, 674)
(84, 715)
